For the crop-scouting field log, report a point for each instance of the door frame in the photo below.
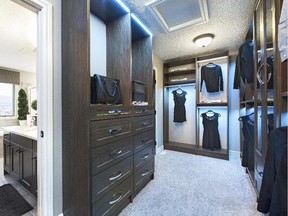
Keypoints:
(45, 176)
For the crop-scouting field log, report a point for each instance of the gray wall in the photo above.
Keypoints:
(158, 67)
(234, 106)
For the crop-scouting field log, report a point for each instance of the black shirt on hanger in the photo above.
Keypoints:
(212, 75)
(179, 105)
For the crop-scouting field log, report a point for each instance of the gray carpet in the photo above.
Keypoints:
(190, 185)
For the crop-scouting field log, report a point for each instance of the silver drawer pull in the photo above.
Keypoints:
(143, 141)
(144, 110)
(114, 131)
(114, 112)
(145, 156)
(115, 153)
(116, 200)
(145, 124)
(146, 173)
(115, 177)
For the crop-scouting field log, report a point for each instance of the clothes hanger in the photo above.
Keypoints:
(240, 118)
(210, 64)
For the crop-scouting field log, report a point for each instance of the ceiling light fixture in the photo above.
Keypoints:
(203, 40)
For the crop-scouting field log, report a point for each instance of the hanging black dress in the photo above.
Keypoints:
(179, 105)
(248, 145)
(211, 138)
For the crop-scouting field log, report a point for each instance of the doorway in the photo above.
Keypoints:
(44, 69)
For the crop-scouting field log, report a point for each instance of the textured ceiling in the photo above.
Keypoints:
(229, 20)
(18, 37)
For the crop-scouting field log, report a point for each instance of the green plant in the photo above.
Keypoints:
(22, 105)
(34, 104)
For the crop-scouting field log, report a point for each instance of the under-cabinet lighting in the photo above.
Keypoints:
(141, 24)
(123, 6)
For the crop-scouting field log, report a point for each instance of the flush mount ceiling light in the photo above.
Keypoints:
(203, 40)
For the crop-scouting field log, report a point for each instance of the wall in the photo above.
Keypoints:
(158, 67)
(57, 115)
(97, 46)
(234, 107)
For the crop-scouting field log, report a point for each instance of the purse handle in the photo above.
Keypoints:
(105, 90)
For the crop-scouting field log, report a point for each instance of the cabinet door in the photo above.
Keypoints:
(15, 161)
(263, 90)
(7, 156)
(26, 171)
(34, 174)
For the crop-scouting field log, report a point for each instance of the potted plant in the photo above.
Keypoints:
(34, 105)
(22, 107)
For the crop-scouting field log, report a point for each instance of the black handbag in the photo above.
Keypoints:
(105, 90)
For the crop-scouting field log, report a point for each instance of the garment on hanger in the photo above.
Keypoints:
(179, 96)
(211, 138)
(273, 192)
(244, 68)
(248, 143)
(212, 75)
(270, 118)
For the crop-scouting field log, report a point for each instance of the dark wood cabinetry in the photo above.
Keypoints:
(100, 141)
(20, 160)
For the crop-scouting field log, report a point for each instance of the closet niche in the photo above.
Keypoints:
(188, 134)
(109, 148)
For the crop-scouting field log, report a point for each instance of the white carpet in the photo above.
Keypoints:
(190, 185)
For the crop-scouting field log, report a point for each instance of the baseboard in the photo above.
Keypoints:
(159, 149)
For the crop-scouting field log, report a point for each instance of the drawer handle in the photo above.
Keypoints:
(146, 173)
(114, 112)
(145, 156)
(115, 177)
(116, 200)
(34, 158)
(144, 110)
(145, 124)
(116, 153)
(114, 131)
(143, 141)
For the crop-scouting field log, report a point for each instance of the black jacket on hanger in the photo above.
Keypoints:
(244, 65)
(273, 192)
(212, 75)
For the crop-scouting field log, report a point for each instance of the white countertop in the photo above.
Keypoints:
(26, 131)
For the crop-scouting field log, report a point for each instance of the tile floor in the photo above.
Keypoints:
(6, 179)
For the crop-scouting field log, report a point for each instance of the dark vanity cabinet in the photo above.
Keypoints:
(20, 160)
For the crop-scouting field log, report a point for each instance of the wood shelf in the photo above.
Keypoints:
(284, 94)
(193, 149)
(184, 82)
(212, 104)
(251, 103)
(180, 72)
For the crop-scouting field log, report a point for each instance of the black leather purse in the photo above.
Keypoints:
(105, 90)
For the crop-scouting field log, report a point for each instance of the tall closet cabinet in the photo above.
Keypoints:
(108, 150)
(265, 100)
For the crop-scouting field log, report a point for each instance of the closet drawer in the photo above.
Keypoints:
(143, 123)
(115, 200)
(110, 154)
(106, 131)
(143, 174)
(143, 110)
(105, 180)
(100, 112)
(143, 140)
(143, 156)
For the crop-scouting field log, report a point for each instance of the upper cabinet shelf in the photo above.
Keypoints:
(180, 72)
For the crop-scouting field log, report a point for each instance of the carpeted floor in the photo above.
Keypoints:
(190, 185)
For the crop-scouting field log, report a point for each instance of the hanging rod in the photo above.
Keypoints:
(180, 85)
(213, 59)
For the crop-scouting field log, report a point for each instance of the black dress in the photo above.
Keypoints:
(179, 105)
(211, 138)
(248, 145)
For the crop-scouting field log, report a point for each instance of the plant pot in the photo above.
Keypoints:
(22, 122)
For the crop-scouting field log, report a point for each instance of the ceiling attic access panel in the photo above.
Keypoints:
(118, 42)
(142, 69)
